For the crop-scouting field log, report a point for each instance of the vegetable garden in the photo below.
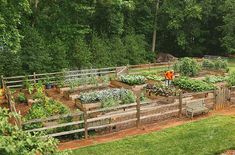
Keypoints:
(79, 104)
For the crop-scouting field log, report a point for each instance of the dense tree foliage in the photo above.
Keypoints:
(44, 36)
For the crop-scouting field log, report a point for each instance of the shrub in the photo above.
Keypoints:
(132, 79)
(187, 67)
(21, 98)
(123, 95)
(194, 85)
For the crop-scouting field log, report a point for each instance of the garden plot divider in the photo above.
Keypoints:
(114, 119)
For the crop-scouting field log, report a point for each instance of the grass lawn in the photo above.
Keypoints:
(231, 64)
(205, 137)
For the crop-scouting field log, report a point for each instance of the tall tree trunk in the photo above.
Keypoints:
(155, 27)
(36, 9)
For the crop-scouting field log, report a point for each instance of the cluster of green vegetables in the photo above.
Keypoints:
(187, 67)
(43, 108)
(87, 80)
(108, 97)
(155, 77)
(193, 85)
(132, 79)
(161, 89)
(214, 79)
(218, 64)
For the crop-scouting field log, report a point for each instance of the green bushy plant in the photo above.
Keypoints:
(21, 98)
(123, 95)
(187, 67)
(132, 79)
(217, 64)
(161, 89)
(109, 102)
(14, 140)
(43, 108)
(231, 79)
(214, 79)
(155, 77)
(194, 85)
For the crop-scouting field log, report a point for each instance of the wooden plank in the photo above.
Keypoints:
(52, 118)
(197, 93)
(112, 115)
(56, 126)
(159, 114)
(112, 124)
(145, 109)
(66, 133)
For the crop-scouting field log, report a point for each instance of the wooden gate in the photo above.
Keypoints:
(222, 97)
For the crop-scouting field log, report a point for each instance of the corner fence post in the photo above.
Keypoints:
(85, 124)
(180, 104)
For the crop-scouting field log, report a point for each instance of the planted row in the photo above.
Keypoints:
(193, 85)
(124, 96)
(218, 63)
(161, 89)
(132, 79)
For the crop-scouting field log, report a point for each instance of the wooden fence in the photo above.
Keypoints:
(131, 115)
(17, 81)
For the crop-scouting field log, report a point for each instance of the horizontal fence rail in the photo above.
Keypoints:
(17, 81)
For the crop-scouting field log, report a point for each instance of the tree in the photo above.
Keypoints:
(10, 20)
(228, 39)
(34, 55)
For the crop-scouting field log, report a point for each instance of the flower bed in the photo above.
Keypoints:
(132, 79)
(193, 85)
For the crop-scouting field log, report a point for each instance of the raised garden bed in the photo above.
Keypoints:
(104, 98)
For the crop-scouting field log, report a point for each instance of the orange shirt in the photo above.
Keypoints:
(169, 75)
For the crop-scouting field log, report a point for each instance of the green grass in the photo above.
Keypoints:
(205, 137)
(231, 64)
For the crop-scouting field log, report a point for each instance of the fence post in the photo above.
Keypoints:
(180, 103)
(215, 99)
(2, 82)
(138, 110)
(85, 124)
(34, 77)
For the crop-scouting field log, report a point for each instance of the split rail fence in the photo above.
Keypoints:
(107, 120)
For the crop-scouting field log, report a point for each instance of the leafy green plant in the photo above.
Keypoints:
(14, 140)
(187, 67)
(21, 98)
(216, 64)
(109, 102)
(155, 77)
(43, 108)
(161, 89)
(231, 79)
(132, 79)
(214, 79)
(194, 85)
(123, 95)
(28, 85)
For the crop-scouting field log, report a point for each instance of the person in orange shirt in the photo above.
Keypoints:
(169, 76)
